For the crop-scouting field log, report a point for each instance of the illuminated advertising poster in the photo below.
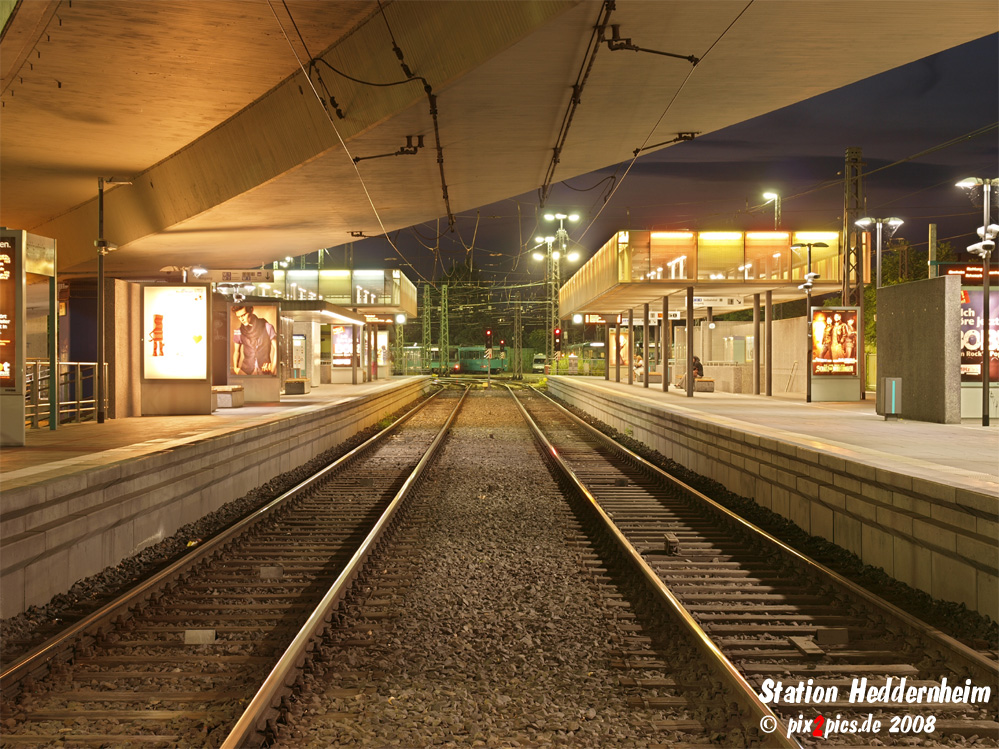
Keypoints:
(175, 332)
(253, 342)
(382, 345)
(834, 341)
(972, 339)
(342, 345)
(9, 278)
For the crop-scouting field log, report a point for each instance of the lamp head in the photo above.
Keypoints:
(894, 223)
(983, 248)
(863, 223)
(771, 195)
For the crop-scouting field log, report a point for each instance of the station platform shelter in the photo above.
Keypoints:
(918, 499)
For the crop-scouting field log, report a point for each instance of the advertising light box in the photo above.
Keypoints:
(175, 332)
(253, 345)
(834, 341)
(343, 346)
(972, 335)
(10, 277)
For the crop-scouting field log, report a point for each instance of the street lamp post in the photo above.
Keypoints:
(988, 233)
(810, 278)
(103, 248)
(775, 197)
(555, 256)
(893, 224)
(550, 295)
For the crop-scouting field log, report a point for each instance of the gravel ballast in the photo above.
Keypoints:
(502, 638)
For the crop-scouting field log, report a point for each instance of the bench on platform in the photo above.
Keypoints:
(229, 396)
(653, 377)
(297, 386)
(704, 385)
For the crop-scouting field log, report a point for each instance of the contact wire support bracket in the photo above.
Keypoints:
(679, 138)
(616, 42)
(409, 149)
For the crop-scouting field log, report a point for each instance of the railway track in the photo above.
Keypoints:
(496, 618)
(782, 619)
(176, 662)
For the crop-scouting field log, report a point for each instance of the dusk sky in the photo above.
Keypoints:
(942, 110)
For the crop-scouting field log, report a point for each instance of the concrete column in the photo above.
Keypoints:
(756, 344)
(645, 344)
(708, 353)
(689, 379)
(665, 342)
(617, 351)
(607, 349)
(932, 270)
(631, 346)
(353, 353)
(770, 342)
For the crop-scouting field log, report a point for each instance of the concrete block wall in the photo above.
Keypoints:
(919, 340)
(936, 537)
(59, 531)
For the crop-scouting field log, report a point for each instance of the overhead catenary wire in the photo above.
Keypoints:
(343, 144)
(669, 105)
(592, 47)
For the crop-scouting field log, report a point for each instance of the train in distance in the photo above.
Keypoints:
(472, 360)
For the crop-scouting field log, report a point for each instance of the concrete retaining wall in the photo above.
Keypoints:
(60, 531)
(936, 537)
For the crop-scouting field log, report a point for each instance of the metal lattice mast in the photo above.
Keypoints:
(518, 355)
(551, 296)
(852, 247)
(427, 339)
(445, 332)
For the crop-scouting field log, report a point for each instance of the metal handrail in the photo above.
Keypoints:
(250, 725)
(720, 665)
(70, 404)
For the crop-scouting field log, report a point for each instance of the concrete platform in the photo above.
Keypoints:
(917, 499)
(86, 496)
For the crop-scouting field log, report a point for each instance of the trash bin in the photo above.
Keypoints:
(891, 397)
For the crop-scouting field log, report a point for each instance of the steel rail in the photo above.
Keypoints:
(248, 731)
(719, 664)
(38, 658)
(972, 659)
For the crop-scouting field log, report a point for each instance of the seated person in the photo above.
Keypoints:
(697, 368)
(639, 368)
